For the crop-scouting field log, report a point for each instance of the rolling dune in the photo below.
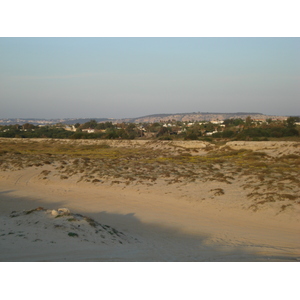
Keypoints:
(169, 201)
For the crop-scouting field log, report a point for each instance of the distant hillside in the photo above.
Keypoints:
(199, 116)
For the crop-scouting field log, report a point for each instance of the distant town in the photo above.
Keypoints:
(192, 126)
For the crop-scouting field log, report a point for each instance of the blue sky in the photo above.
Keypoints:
(131, 77)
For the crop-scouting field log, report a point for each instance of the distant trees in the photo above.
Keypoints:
(195, 131)
(28, 126)
(163, 131)
(237, 129)
(291, 121)
(105, 125)
(32, 131)
(154, 127)
(250, 130)
(248, 121)
(91, 124)
(233, 122)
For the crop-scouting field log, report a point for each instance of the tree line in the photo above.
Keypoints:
(237, 129)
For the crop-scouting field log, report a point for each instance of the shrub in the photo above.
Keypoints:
(72, 234)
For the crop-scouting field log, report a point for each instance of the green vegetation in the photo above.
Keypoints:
(31, 131)
(233, 129)
(72, 234)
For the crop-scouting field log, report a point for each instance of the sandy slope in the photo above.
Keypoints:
(184, 221)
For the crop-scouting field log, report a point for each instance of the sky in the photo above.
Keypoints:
(103, 77)
(112, 77)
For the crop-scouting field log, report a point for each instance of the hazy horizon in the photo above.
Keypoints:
(52, 78)
(142, 116)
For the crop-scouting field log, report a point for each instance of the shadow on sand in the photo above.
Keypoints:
(155, 242)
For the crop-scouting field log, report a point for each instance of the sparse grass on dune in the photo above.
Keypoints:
(255, 171)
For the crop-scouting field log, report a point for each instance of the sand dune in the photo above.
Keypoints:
(177, 202)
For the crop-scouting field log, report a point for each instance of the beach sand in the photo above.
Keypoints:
(203, 205)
